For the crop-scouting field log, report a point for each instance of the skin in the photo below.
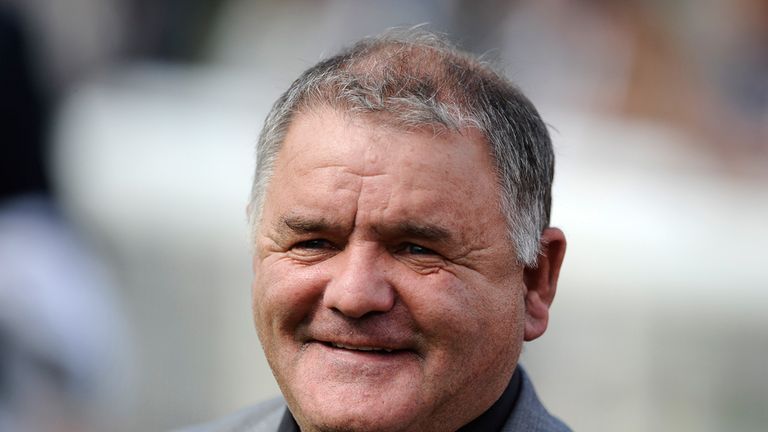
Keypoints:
(373, 237)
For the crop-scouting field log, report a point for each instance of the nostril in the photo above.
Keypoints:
(356, 301)
(351, 314)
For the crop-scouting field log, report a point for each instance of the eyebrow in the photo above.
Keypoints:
(296, 224)
(302, 224)
(423, 231)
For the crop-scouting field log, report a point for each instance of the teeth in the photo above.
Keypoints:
(359, 348)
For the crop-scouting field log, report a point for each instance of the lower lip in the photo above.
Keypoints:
(371, 369)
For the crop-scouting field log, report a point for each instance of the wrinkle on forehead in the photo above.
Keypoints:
(373, 200)
(378, 175)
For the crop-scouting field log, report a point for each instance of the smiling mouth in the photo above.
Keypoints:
(371, 351)
(359, 348)
(368, 349)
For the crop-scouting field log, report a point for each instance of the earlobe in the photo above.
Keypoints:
(541, 282)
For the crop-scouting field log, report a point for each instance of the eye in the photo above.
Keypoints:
(313, 244)
(312, 251)
(419, 258)
(414, 249)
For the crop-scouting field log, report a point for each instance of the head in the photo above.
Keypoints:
(402, 251)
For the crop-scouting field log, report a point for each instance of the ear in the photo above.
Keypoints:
(541, 282)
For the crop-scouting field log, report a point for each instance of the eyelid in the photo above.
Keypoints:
(425, 263)
(311, 250)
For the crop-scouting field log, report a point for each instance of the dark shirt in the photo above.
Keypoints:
(492, 420)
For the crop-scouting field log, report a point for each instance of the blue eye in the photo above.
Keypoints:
(418, 250)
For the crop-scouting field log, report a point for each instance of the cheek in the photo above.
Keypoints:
(443, 308)
(466, 316)
(284, 294)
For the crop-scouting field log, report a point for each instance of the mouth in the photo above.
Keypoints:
(364, 348)
(358, 348)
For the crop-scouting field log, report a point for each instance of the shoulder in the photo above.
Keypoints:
(530, 414)
(263, 417)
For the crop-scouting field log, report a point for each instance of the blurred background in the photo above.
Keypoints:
(127, 131)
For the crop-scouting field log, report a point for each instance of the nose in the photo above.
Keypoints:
(360, 285)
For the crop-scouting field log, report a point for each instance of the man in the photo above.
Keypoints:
(400, 213)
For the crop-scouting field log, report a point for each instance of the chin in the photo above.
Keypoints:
(347, 407)
(357, 419)
(328, 389)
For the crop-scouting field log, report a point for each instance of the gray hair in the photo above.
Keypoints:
(417, 79)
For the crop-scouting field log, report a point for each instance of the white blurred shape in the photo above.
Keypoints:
(157, 161)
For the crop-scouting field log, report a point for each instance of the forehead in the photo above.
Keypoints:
(335, 165)
(368, 144)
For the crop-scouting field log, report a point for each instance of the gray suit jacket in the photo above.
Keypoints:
(529, 415)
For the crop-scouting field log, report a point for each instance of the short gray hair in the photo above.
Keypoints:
(418, 79)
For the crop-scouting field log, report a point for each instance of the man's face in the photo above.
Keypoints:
(386, 293)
